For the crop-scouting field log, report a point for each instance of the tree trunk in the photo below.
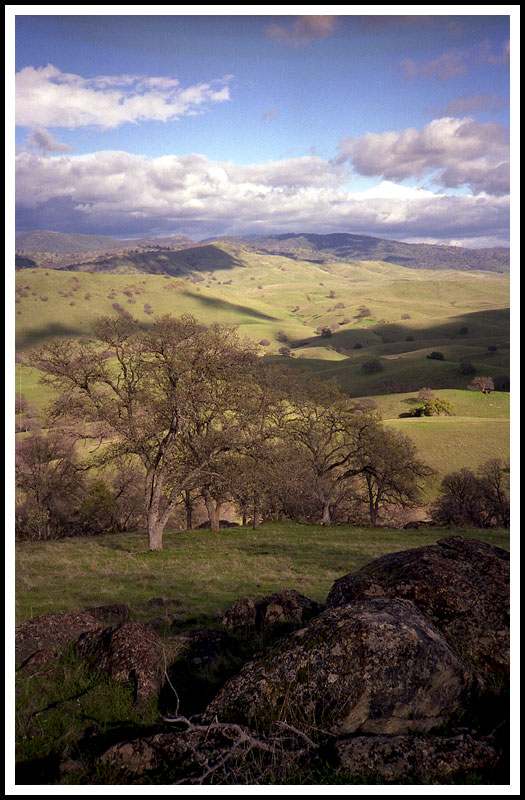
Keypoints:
(188, 502)
(155, 533)
(326, 519)
(256, 512)
(213, 510)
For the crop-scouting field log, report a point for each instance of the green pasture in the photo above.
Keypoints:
(200, 573)
(449, 443)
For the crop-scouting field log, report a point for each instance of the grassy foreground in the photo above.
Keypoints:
(200, 573)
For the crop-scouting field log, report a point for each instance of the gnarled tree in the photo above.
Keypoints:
(160, 383)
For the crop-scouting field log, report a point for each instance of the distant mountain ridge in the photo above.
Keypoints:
(355, 247)
(73, 243)
(317, 248)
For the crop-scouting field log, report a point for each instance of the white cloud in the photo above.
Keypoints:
(41, 139)
(456, 62)
(304, 29)
(47, 97)
(458, 152)
(118, 193)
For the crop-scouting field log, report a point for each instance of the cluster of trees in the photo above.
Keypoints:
(477, 499)
(191, 411)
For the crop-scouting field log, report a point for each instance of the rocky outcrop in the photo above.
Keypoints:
(127, 652)
(51, 631)
(374, 666)
(353, 587)
(264, 613)
(110, 614)
(462, 586)
(419, 759)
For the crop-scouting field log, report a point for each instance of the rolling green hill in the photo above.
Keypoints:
(332, 317)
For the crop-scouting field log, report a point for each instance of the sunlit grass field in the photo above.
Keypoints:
(200, 573)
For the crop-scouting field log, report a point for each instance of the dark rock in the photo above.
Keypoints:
(374, 666)
(262, 613)
(223, 523)
(422, 759)
(353, 587)
(202, 647)
(129, 651)
(38, 661)
(200, 662)
(51, 631)
(110, 614)
(204, 754)
(157, 601)
(462, 585)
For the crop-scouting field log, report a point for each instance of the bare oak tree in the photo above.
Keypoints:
(160, 383)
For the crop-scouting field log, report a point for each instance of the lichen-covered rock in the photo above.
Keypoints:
(129, 651)
(374, 666)
(353, 587)
(462, 585)
(51, 631)
(263, 613)
(110, 614)
(423, 759)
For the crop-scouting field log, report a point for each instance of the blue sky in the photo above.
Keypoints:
(205, 125)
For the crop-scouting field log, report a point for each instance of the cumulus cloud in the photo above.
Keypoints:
(469, 104)
(456, 62)
(41, 139)
(304, 29)
(455, 151)
(124, 194)
(47, 97)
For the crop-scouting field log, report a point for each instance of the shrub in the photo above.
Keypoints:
(363, 312)
(467, 368)
(437, 407)
(369, 367)
(285, 351)
(358, 346)
(21, 404)
(463, 330)
(405, 316)
(410, 339)
(424, 394)
(366, 404)
(264, 342)
(492, 348)
(391, 386)
(436, 355)
(281, 336)
(482, 384)
(501, 383)
(475, 499)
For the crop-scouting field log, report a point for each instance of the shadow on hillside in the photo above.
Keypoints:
(480, 325)
(53, 330)
(215, 303)
(205, 258)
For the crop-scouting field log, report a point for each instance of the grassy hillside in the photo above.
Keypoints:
(372, 309)
(198, 572)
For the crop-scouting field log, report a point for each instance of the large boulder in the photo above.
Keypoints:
(51, 631)
(263, 613)
(127, 652)
(375, 666)
(461, 585)
(420, 759)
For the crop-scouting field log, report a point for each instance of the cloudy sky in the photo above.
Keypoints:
(388, 125)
